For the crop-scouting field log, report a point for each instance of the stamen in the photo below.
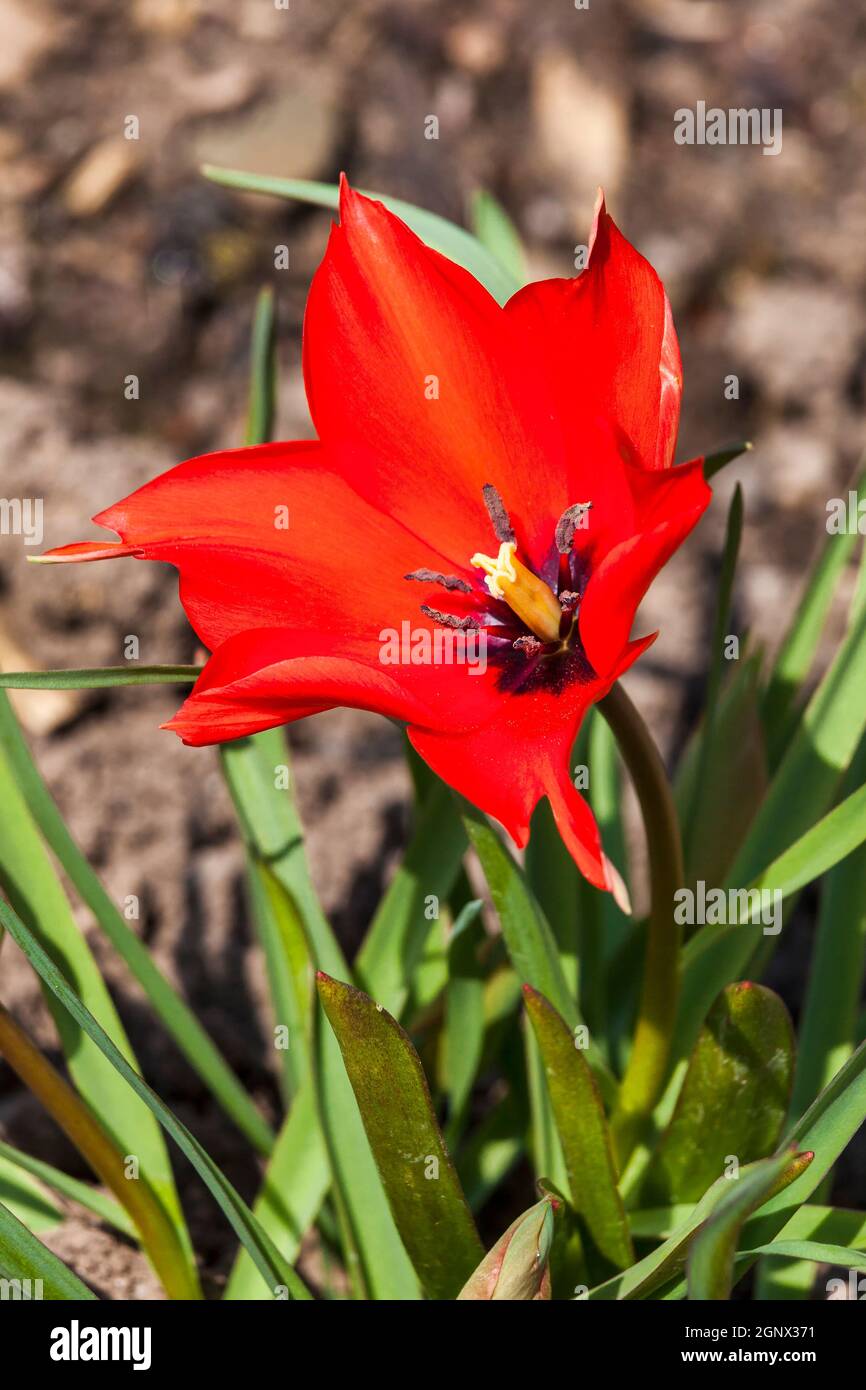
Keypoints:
(568, 600)
(502, 528)
(531, 599)
(450, 619)
(530, 645)
(498, 571)
(448, 581)
(568, 523)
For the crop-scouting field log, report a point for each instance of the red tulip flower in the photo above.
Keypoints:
(465, 545)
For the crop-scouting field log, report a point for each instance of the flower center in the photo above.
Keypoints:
(529, 597)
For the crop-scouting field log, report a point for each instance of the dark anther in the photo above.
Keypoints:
(529, 645)
(448, 581)
(498, 515)
(568, 600)
(567, 525)
(450, 619)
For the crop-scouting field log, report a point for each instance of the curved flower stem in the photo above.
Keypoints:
(647, 1064)
(157, 1234)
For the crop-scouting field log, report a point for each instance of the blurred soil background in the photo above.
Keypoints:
(117, 258)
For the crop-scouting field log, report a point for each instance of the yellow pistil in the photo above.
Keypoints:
(532, 600)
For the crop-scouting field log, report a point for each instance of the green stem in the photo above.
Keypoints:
(648, 1061)
(157, 1233)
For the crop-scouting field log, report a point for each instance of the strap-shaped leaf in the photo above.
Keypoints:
(36, 1272)
(583, 1131)
(498, 234)
(711, 1259)
(99, 677)
(464, 1013)
(528, 938)
(734, 1097)
(273, 1268)
(733, 779)
(429, 1207)
(398, 933)
(274, 834)
(28, 878)
(176, 1016)
(444, 236)
(662, 1266)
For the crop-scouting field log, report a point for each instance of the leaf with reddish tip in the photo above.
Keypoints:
(583, 1131)
(666, 1262)
(517, 1268)
(734, 1097)
(711, 1259)
(427, 1201)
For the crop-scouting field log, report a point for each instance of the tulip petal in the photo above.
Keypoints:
(608, 346)
(405, 354)
(618, 584)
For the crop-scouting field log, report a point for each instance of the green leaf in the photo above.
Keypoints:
(260, 413)
(25, 1198)
(828, 1020)
(179, 1020)
(99, 677)
(83, 1193)
(429, 1207)
(716, 955)
(290, 971)
(827, 1127)
(711, 1259)
(493, 1149)
(498, 234)
(821, 750)
(29, 881)
(23, 1257)
(444, 236)
(732, 779)
(838, 1225)
(464, 1013)
(274, 835)
(815, 1250)
(667, 1261)
(273, 1269)
(714, 462)
(583, 1131)
(296, 1180)
(734, 1097)
(394, 944)
(555, 884)
(797, 652)
(528, 938)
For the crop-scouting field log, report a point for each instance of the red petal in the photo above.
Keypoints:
(265, 677)
(608, 346)
(339, 567)
(668, 507)
(507, 766)
(386, 314)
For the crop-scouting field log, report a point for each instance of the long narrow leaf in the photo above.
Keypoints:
(28, 876)
(711, 1260)
(442, 235)
(274, 1270)
(179, 1020)
(426, 1198)
(25, 1261)
(584, 1133)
